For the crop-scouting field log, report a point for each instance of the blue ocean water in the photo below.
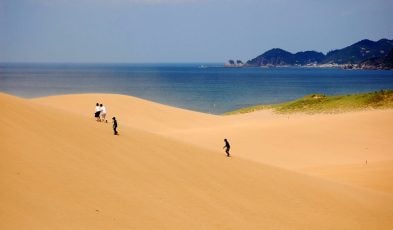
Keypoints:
(200, 87)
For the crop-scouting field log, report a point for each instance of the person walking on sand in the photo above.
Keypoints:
(97, 113)
(103, 112)
(114, 126)
(227, 147)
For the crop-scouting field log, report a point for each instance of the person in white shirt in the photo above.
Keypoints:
(103, 112)
(97, 112)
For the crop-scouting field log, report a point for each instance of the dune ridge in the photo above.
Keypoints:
(62, 170)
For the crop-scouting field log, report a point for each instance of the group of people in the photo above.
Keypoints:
(100, 115)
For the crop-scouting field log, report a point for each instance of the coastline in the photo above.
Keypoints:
(211, 90)
(321, 66)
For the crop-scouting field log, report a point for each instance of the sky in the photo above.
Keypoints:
(182, 31)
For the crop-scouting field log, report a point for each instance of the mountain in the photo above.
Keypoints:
(378, 63)
(280, 57)
(353, 54)
(273, 57)
(388, 62)
(360, 51)
(308, 57)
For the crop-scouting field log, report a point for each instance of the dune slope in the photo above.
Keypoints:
(297, 142)
(60, 170)
(310, 140)
(374, 175)
(134, 112)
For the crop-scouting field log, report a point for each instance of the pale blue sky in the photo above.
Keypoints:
(135, 31)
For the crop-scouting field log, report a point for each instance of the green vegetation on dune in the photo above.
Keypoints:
(319, 103)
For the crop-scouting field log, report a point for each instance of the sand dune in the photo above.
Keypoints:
(296, 142)
(62, 170)
(310, 140)
(373, 175)
(130, 111)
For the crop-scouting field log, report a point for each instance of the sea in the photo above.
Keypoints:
(209, 88)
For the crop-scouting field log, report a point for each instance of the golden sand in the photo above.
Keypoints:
(60, 169)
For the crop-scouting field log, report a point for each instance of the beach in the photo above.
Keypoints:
(196, 115)
(60, 169)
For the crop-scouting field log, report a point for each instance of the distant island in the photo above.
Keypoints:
(365, 54)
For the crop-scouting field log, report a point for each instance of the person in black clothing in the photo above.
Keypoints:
(97, 112)
(114, 126)
(227, 147)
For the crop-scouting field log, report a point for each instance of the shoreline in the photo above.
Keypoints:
(279, 108)
(323, 66)
(211, 90)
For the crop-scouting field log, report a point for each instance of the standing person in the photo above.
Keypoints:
(227, 147)
(103, 112)
(97, 113)
(115, 126)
